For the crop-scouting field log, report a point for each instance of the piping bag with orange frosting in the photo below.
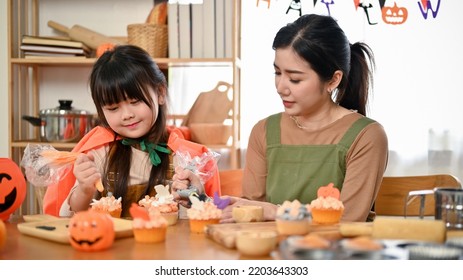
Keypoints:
(44, 165)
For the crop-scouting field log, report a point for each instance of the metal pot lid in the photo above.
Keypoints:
(64, 108)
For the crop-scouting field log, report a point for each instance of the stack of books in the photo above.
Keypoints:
(200, 29)
(39, 46)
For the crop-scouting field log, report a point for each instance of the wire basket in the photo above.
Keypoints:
(150, 37)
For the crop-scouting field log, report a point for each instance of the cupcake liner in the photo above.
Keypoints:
(150, 235)
(326, 216)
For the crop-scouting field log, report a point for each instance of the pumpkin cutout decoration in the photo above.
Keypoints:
(12, 188)
(91, 231)
(394, 15)
(328, 191)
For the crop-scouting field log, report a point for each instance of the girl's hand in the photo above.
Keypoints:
(86, 173)
(182, 180)
(269, 209)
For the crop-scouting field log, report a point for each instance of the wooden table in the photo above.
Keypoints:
(180, 244)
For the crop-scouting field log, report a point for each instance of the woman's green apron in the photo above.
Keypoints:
(297, 171)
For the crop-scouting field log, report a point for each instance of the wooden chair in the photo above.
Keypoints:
(394, 192)
(230, 181)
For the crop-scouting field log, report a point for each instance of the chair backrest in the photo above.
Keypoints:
(394, 191)
(230, 181)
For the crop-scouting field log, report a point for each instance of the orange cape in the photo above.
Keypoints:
(98, 137)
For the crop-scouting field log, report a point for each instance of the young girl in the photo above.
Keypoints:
(323, 135)
(131, 151)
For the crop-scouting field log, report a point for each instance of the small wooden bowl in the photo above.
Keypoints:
(256, 243)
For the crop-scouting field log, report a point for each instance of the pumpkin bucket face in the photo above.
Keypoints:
(91, 231)
(12, 188)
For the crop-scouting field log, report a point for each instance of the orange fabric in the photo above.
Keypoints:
(99, 136)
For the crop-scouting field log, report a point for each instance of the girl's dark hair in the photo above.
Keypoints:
(127, 73)
(322, 43)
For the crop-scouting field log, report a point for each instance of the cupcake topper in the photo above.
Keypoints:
(196, 203)
(219, 202)
(162, 191)
(328, 191)
(139, 212)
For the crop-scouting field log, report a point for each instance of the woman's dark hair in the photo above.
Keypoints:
(322, 43)
(127, 73)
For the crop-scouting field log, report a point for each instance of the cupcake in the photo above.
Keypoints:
(163, 202)
(108, 204)
(293, 218)
(202, 214)
(362, 243)
(327, 208)
(148, 227)
(311, 247)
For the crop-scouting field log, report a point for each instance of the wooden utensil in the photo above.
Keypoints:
(87, 36)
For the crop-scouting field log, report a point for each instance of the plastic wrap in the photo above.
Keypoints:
(203, 166)
(44, 165)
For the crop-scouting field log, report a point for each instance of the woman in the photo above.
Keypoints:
(323, 135)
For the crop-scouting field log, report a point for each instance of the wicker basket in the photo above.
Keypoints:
(150, 37)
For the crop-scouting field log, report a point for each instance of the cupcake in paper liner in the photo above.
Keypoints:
(202, 213)
(293, 218)
(163, 202)
(327, 208)
(109, 205)
(148, 227)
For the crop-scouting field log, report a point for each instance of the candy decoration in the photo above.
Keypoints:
(328, 191)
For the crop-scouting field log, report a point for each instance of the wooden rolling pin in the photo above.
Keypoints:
(409, 229)
(90, 38)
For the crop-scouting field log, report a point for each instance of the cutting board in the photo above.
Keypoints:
(211, 106)
(225, 234)
(56, 229)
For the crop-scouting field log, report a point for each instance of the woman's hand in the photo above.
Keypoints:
(86, 173)
(268, 208)
(184, 179)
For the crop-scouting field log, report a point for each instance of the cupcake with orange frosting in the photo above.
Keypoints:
(202, 214)
(163, 202)
(108, 204)
(293, 218)
(148, 227)
(327, 208)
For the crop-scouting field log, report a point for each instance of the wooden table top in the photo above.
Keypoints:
(180, 244)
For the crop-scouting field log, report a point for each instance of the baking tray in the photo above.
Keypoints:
(393, 250)
(56, 229)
